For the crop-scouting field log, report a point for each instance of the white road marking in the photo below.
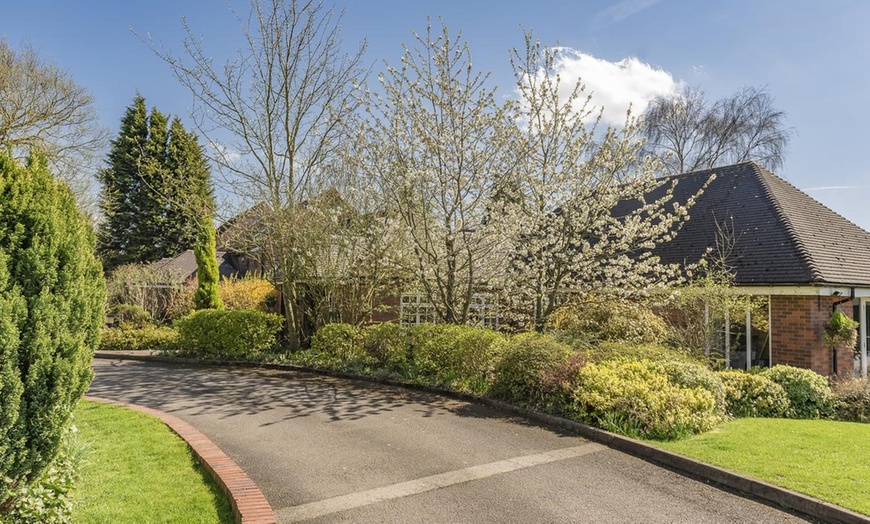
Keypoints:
(320, 508)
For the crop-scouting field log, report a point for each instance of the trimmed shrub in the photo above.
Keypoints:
(535, 371)
(752, 395)
(51, 310)
(691, 375)
(636, 398)
(147, 338)
(339, 341)
(607, 319)
(130, 315)
(808, 392)
(217, 333)
(389, 344)
(624, 350)
(461, 357)
(852, 400)
(249, 293)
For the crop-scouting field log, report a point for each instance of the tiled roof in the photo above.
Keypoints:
(182, 267)
(780, 234)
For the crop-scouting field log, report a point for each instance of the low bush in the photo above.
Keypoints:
(130, 315)
(388, 343)
(249, 293)
(609, 319)
(213, 333)
(339, 343)
(536, 371)
(637, 398)
(809, 394)
(460, 357)
(152, 338)
(753, 395)
(852, 400)
(693, 375)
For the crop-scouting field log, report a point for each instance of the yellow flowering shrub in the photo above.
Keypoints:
(249, 293)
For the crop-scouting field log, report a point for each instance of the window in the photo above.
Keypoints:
(483, 310)
(415, 309)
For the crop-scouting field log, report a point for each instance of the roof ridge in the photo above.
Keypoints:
(791, 231)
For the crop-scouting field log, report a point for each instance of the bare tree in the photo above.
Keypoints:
(43, 109)
(274, 117)
(439, 141)
(579, 207)
(697, 134)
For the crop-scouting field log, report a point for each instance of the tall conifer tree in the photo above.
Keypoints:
(156, 188)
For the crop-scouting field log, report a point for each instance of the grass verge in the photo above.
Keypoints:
(827, 460)
(139, 471)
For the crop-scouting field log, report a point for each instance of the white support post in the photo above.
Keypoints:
(707, 329)
(769, 332)
(727, 339)
(748, 337)
(862, 332)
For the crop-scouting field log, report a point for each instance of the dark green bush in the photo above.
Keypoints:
(51, 309)
(852, 400)
(636, 398)
(532, 372)
(340, 343)
(461, 357)
(389, 344)
(809, 394)
(215, 333)
(152, 338)
(130, 315)
(753, 395)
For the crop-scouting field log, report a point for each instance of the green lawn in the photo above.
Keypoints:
(828, 460)
(139, 471)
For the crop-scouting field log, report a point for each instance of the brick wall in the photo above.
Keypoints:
(797, 325)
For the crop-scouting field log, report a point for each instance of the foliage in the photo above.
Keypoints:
(51, 309)
(436, 178)
(637, 398)
(49, 499)
(461, 357)
(144, 286)
(612, 320)
(140, 471)
(215, 333)
(130, 315)
(808, 392)
(535, 371)
(340, 341)
(821, 458)
(697, 134)
(280, 104)
(388, 344)
(249, 293)
(207, 295)
(852, 399)
(43, 109)
(150, 338)
(559, 204)
(626, 350)
(753, 395)
(696, 375)
(840, 331)
(154, 189)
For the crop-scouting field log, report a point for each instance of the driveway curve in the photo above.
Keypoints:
(324, 449)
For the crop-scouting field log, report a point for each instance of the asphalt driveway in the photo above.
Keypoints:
(332, 450)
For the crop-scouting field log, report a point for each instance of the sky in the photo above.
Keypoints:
(811, 56)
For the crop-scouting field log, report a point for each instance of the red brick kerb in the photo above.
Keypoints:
(248, 503)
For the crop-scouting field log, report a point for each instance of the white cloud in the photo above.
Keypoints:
(615, 86)
(224, 153)
(624, 9)
(833, 188)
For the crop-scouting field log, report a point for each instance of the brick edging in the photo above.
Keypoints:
(248, 502)
(759, 490)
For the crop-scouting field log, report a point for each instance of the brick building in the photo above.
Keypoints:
(803, 259)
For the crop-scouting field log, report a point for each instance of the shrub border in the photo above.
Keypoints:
(720, 477)
(247, 501)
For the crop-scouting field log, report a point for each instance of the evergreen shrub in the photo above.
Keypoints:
(753, 395)
(852, 400)
(150, 338)
(51, 310)
(340, 343)
(809, 394)
(388, 343)
(218, 333)
(535, 371)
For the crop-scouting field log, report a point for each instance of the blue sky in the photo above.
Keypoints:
(812, 56)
